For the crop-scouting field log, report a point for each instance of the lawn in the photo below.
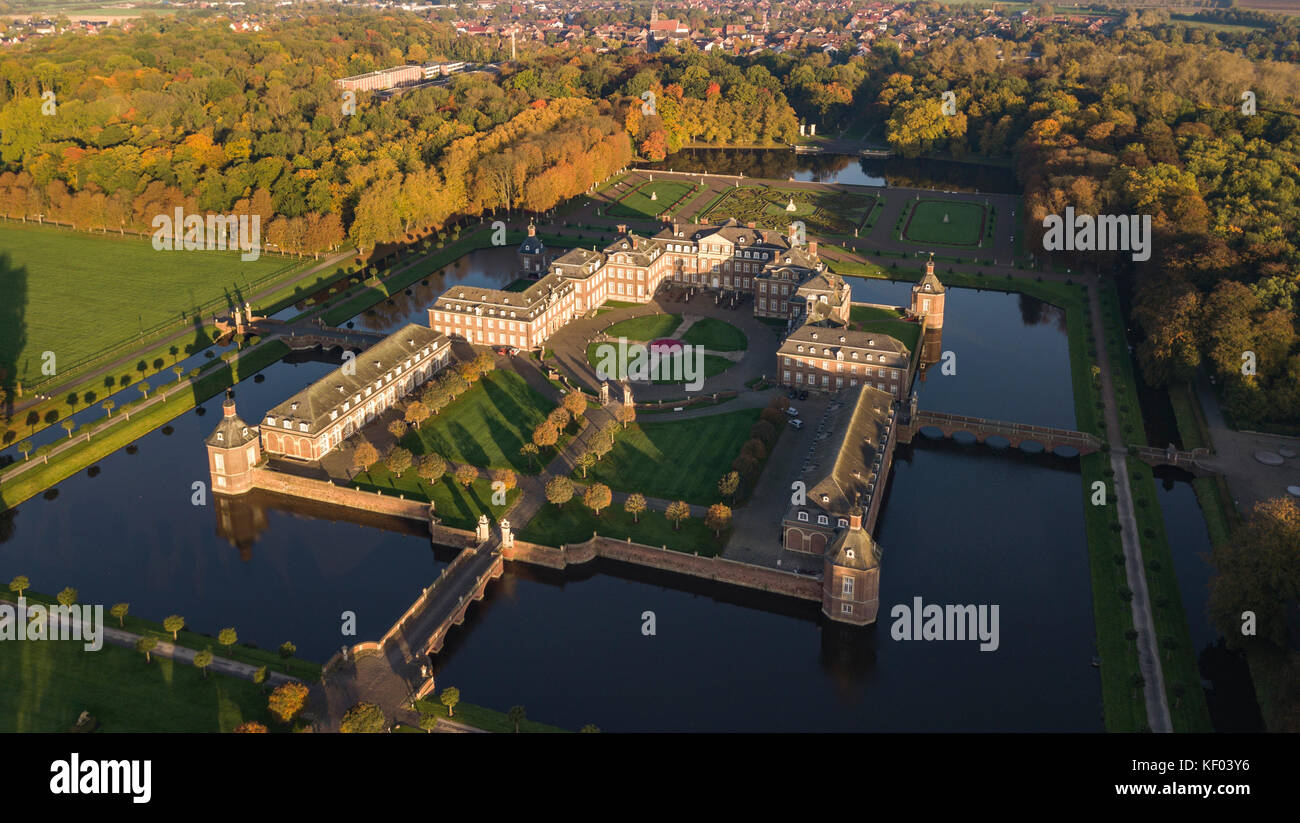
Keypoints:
(486, 426)
(574, 523)
(716, 335)
(713, 364)
(885, 321)
(643, 329)
(49, 684)
(822, 212)
(669, 195)
(925, 223)
(675, 460)
(489, 720)
(455, 505)
(78, 294)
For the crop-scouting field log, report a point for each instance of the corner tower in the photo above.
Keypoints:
(233, 450)
(927, 298)
(851, 578)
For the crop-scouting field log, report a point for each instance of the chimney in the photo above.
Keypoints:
(793, 235)
(622, 228)
(676, 230)
(751, 224)
(812, 247)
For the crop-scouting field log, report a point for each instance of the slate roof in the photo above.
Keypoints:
(231, 432)
(313, 404)
(827, 339)
(845, 457)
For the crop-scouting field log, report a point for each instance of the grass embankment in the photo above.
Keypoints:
(489, 720)
(123, 432)
(574, 523)
(304, 670)
(675, 459)
(49, 684)
(455, 505)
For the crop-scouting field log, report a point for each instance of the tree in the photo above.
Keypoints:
(287, 700)
(635, 505)
(202, 660)
(287, 650)
(596, 497)
(398, 460)
(585, 461)
(545, 435)
(602, 441)
(431, 467)
(516, 715)
(250, 727)
(144, 388)
(505, 477)
(363, 718)
(67, 597)
(227, 638)
(729, 483)
(108, 406)
(559, 490)
(678, 511)
(146, 645)
(397, 428)
(559, 418)
(19, 584)
(576, 403)
(70, 425)
(25, 446)
(590, 728)
(416, 413)
(625, 414)
(119, 611)
(365, 455)
(174, 624)
(466, 474)
(259, 677)
(450, 697)
(530, 451)
(718, 518)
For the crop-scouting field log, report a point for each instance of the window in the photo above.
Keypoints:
(219, 461)
(848, 587)
(251, 454)
(842, 523)
(823, 520)
(802, 515)
(846, 608)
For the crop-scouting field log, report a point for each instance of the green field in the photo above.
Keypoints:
(925, 223)
(78, 294)
(715, 335)
(713, 365)
(49, 684)
(822, 212)
(670, 195)
(574, 523)
(674, 460)
(885, 321)
(642, 329)
(456, 506)
(486, 426)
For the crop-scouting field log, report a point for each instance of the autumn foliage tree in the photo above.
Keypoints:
(287, 700)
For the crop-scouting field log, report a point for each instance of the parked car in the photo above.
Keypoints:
(500, 350)
(792, 411)
(513, 351)
(803, 395)
(796, 423)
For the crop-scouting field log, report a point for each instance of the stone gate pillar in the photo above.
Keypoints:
(507, 535)
(604, 393)
(481, 532)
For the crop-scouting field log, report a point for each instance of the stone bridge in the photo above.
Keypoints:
(1186, 460)
(298, 336)
(1015, 433)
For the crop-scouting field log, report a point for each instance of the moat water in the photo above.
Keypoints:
(961, 524)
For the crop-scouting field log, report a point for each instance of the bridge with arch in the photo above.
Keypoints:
(299, 336)
(1015, 434)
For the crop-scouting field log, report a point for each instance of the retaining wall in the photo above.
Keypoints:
(326, 492)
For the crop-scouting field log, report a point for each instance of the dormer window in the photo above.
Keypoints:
(842, 523)
(927, 286)
(826, 498)
(220, 437)
(270, 421)
(803, 516)
(293, 407)
(823, 520)
(842, 338)
(302, 427)
(848, 553)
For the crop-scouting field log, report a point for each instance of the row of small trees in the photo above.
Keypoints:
(597, 497)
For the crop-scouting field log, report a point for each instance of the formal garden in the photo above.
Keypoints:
(653, 198)
(944, 223)
(707, 333)
(824, 213)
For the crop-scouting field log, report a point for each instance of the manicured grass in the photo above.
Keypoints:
(669, 195)
(925, 223)
(824, 213)
(455, 505)
(49, 684)
(77, 294)
(885, 321)
(487, 425)
(489, 720)
(1125, 710)
(675, 460)
(574, 523)
(644, 329)
(668, 367)
(716, 335)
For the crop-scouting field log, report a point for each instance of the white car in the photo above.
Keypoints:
(792, 411)
(796, 423)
